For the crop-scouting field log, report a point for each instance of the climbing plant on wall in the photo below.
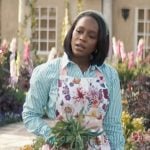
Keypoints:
(66, 21)
(80, 5)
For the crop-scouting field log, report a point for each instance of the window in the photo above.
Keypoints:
(143, 27)
(44, 35)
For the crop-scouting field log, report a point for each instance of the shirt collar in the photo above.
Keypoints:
(66, 61)
(99, 68)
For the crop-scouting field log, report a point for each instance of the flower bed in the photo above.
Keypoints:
(11, 102)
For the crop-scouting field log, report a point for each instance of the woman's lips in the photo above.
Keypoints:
(79, 46)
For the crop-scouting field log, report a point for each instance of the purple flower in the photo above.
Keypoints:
(100, 94)
(67, 97)
(65, 90)
(71, 84)
(105, 91)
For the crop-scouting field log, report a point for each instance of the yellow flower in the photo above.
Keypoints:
(26, 147)
(138, 123)
(126, 118)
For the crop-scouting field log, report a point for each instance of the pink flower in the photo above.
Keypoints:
(137, 137)
(46, 147)
(4, 46)
(122, 52)
(26, 54)
(118, 48)
(131, 57)
(13, 65)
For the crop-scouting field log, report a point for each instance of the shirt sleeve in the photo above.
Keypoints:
(112, 120)
(35, 103)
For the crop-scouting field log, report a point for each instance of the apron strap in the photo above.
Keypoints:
(98, 73)
(63, 71)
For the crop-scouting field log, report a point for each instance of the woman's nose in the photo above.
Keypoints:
(83, 37)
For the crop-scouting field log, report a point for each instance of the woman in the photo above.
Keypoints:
(80, 80)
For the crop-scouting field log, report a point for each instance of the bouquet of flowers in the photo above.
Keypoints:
(72, 135)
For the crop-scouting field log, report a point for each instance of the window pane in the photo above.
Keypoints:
(35, 45)
(51, 35)
(148, 41)
(148, 15)
(43, 46)
(43, 34)
(36, 23)
(141, 14)
(141, 27)
(147, 27)
(36, 12)
(52, 12)
(35, 35)
(147, 51)
(43, 23)
(43, 11)
(52, 23)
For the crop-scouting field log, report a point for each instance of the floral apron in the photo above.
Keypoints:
(89, 95)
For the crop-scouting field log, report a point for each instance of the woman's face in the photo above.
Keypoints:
(84, 37)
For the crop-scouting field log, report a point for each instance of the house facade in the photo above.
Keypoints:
(43, 21)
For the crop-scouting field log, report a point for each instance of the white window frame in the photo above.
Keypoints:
(144, 34)
(47, 29)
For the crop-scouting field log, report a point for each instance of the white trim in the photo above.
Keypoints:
(146, 23)
(47, 28)
(42, 53)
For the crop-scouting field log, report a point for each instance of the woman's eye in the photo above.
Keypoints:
(78, 31)
(92, 36)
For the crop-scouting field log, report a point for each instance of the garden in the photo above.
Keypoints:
(134, 72)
